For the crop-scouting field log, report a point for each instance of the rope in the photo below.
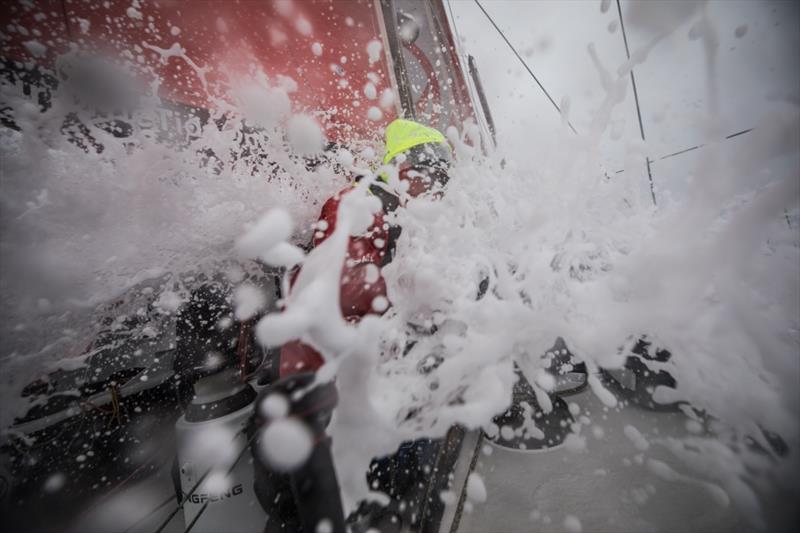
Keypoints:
(473, 462)
(453, 18)
(679, 152)
(243, 349)
(547, 94)
(66, 19)
(635, 95)
(636, 99)
(115, 407)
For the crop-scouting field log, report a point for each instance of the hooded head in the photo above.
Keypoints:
(402, 135)
(422, 154)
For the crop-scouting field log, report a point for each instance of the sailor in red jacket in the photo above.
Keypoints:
(423, 157)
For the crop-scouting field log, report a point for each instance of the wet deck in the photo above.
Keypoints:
(607, 486)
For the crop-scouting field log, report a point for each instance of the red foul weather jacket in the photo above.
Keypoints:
(374, 247)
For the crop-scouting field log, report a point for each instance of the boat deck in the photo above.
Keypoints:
(602, 479)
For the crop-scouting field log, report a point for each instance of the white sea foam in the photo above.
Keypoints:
(565, 252)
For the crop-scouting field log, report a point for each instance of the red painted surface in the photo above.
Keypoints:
(229, 38)
(356, 294)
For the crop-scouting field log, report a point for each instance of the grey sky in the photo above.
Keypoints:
(756, 71)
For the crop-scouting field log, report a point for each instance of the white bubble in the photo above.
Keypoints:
(387, 98)
(374, 48)
(370, 91)
(221, 25)
(55, 482)
(285, 8)
(264, 106)
(638, 440)
(287, 84)
(380, 304)
(36, 48)
(575, 443)
(448, 497)
(286, 444)
(134, 13)
(345, 157)
(572, 524)
(212, 445)
(305, 135)
(274, 227)
(374, 114)
(303, 26)
(693, 426)
(277, 37)
(217, 482)
(546, 380)
(372, 272)
(476, 490)
(248, 300)
(283, 254)
(316, 49)
(275, 406)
